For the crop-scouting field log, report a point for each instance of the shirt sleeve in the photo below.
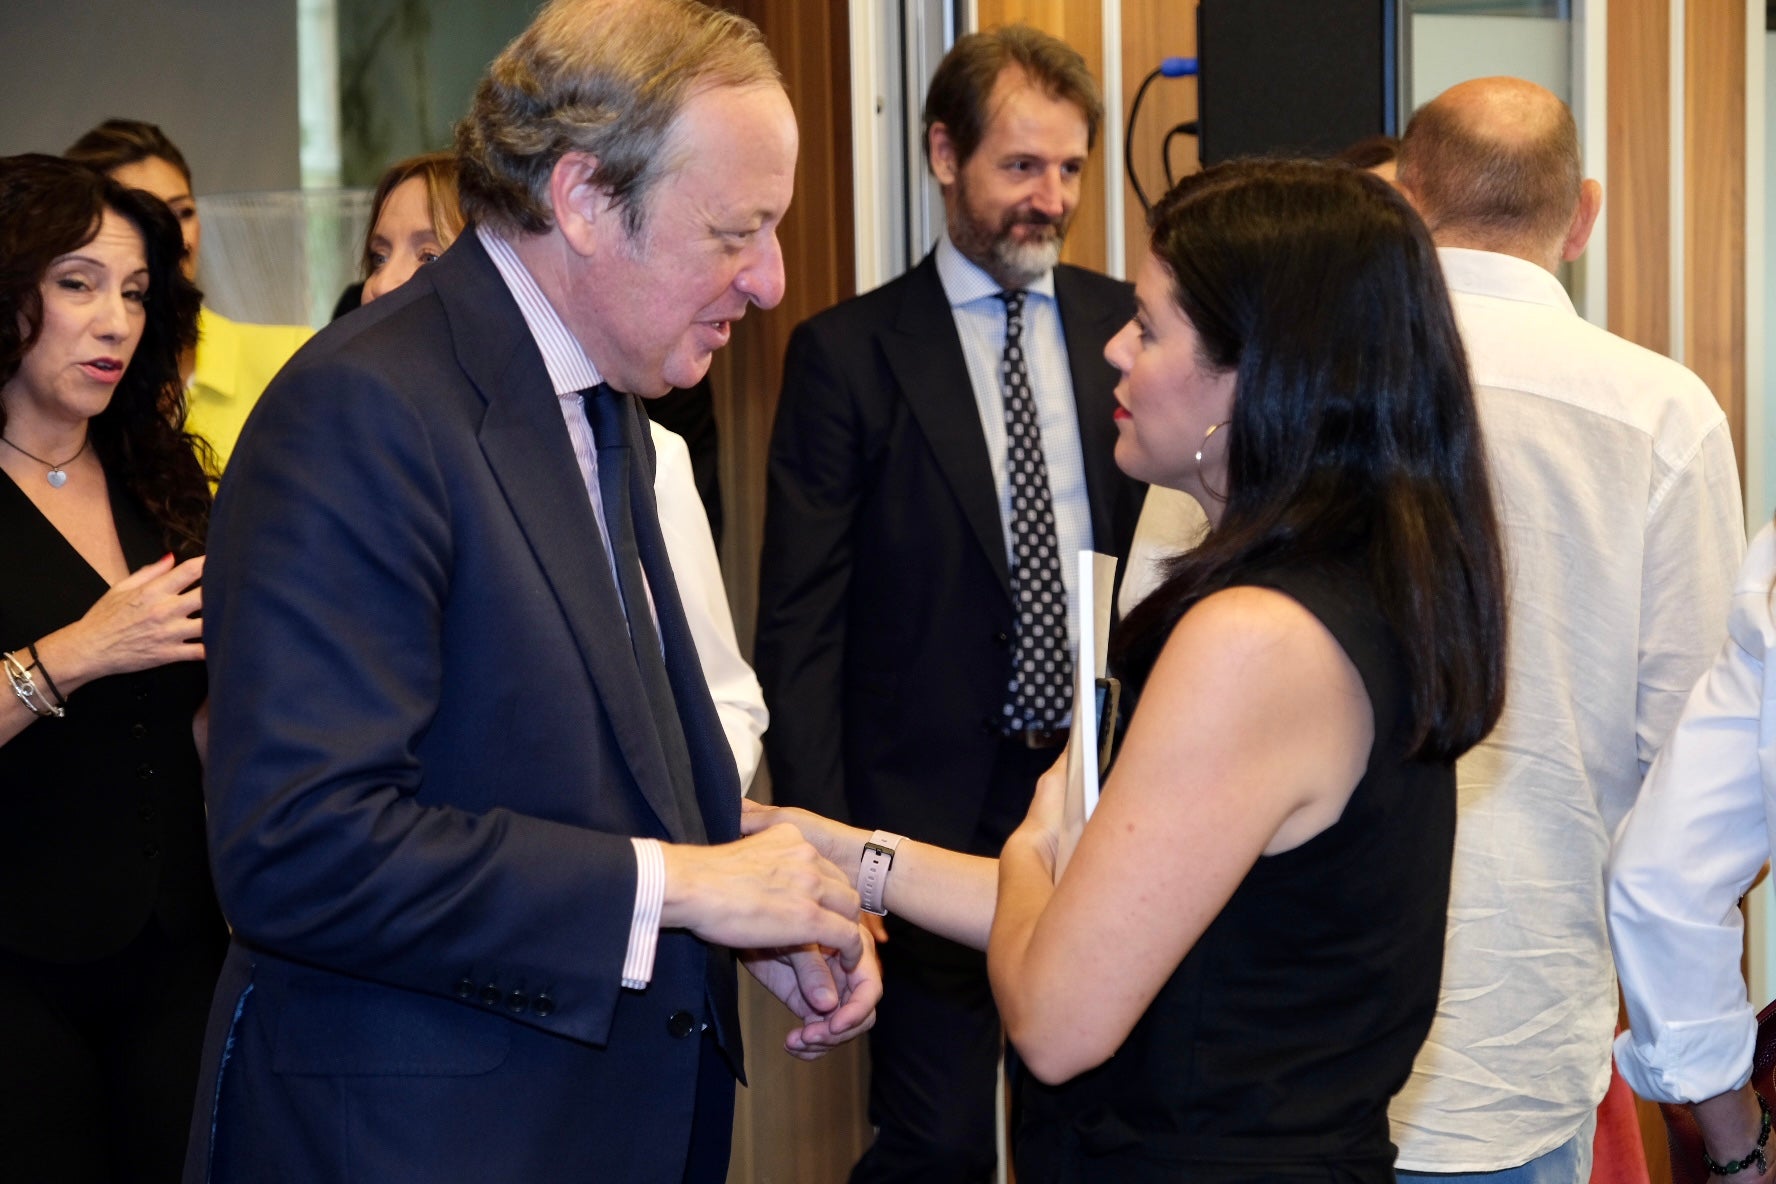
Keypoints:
(644, 923)
(1695, 539)
(1684, 855)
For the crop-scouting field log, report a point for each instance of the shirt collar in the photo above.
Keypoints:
(964, 282)
(570, 370)
(1506, 277)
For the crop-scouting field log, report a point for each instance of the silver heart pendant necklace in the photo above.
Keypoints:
(58, 473)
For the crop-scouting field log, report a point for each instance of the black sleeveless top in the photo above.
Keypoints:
(1272, 1051)
(104, 808)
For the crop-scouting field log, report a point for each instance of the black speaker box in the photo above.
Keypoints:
(1294, 77)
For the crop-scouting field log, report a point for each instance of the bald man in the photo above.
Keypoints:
(1620, 503)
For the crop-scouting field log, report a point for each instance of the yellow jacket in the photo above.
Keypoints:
(235, 363)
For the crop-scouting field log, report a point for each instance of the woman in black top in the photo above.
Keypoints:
(110, 937)
(1234, 972)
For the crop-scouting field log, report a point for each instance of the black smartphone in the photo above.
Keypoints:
(1109, 696)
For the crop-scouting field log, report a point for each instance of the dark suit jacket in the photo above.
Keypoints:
(429, 747)
(885, 613)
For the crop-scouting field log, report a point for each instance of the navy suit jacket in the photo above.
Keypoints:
(429, 748)
(885, 610)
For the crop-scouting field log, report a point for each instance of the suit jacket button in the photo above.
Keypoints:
(988, 725)
(139, 731)
(542, 1006)
(1002, 638)
(682, 1024)
(144, 772)
(491, 994)
(150, 851)
(465, 988)
(517, 1001)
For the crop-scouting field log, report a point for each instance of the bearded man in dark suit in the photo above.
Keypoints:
(941, 451)
(472, 815)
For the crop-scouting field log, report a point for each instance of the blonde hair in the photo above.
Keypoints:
(604, 77)
(438, 169)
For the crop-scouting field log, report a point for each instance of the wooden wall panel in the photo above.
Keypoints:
(797, 1123)
(1714, 203)
(1080, 25)
(1637, 195)
(811, 41)
(1153, 30)
(1637, 190)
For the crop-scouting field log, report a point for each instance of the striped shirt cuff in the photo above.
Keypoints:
(644, 926)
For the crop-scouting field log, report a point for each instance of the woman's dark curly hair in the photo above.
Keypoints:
(49, 207)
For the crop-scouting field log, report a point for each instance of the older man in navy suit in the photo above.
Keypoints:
(472, 815)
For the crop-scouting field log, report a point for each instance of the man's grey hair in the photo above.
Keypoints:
(604, 77)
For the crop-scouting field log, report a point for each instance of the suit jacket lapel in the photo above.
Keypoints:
(925, 354)
(528, 449)
(1086, 326)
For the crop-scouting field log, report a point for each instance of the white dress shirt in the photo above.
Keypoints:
(1619, 505)
(980, 322)
(739, 700)
(1684, 856)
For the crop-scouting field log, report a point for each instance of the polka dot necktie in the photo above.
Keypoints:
(1041, 689)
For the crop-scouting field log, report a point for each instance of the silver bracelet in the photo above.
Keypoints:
(25, 687)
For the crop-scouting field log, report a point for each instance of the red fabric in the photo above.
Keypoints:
(1618, 1156)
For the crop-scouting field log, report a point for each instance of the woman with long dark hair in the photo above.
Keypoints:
(231, 362)
(1233, 971)
(110, 936)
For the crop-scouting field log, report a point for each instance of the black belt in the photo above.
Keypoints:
(1038, 738)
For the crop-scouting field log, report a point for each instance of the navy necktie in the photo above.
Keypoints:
(614, 424)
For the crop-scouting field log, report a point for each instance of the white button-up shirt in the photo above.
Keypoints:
(1685, 855)
(1619, 504)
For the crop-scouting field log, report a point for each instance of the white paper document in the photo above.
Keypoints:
(1089, 621)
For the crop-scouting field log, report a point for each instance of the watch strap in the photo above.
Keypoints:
(872, 872)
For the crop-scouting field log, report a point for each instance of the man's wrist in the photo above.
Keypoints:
(678, 892)
(1750, 1149)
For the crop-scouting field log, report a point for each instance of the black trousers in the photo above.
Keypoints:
(934, 1052)
(99, 1061)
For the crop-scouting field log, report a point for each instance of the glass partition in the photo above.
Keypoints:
(1443, 42)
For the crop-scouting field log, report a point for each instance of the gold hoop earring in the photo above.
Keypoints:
(1202, 448)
